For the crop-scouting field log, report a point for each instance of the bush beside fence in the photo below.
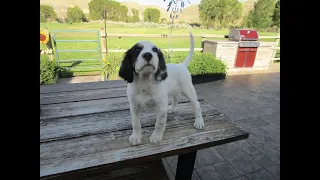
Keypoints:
(201, 64)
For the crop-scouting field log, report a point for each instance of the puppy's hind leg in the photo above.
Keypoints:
(190, 92)
(172, 107)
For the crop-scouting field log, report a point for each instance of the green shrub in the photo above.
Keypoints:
(207, 63)
(48, 13)
(151, 15)
(75, 15)
(201, 64)
(48, 70)
(111, 65)
(42, 19)
(163, 20)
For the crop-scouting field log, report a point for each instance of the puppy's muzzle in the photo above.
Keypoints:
(147, 56)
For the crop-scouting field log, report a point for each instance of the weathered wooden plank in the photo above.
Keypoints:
(91, 151)
(88, 107)
(152, 170)
(115, 141)
(77, 126)
(84, 95)
(82, 86)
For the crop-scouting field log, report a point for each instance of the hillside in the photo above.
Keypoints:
(189, 15)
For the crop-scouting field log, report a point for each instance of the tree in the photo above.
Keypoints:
(248, 19)
(276, 15)
(163, 20)
(262, 13)
(215, 13)
(42, 19)
(151, 15)
(135, 15)
(96, 8)
(229, 12)
(47, 13)
(122, 14)
(75, 15)
(207, 11)
(115, 11)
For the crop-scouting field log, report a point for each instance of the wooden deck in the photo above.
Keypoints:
(84, 129)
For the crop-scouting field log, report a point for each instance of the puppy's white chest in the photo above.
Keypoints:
(147, 102)
(146, 96)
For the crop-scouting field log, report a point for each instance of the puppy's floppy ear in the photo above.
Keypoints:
(161, 73)
(126, 68)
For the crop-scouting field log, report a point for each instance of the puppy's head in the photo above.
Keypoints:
(143, 58)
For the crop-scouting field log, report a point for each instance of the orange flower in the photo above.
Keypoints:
(44, 37)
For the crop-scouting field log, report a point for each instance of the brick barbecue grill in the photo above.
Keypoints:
(247, 46)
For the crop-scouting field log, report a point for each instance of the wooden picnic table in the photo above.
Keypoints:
(85, 129)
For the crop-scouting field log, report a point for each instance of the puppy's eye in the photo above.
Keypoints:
(155, 49)
(138, 50)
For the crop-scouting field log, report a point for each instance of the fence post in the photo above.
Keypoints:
(50, 47)
(103, 40)
(276, 45)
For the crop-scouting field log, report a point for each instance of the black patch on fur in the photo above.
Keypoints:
(127, 65)
(161, 73)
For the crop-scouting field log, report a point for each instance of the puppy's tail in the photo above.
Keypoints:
(189, 57)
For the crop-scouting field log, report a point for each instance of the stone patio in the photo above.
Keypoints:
(254, 102)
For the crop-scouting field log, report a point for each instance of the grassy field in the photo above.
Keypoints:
(111, 28)
(93, 67)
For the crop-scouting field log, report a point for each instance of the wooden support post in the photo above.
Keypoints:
(49, 46)
(202, 42)
(50, 53)
(275, 50)
(103, 42)
(104, 47)
(104, 50)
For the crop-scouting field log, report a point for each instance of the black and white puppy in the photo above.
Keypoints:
(151, 82)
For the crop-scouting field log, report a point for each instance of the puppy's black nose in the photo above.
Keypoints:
(147, 56)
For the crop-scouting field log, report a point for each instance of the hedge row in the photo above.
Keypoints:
(48, 70)
(201, 64)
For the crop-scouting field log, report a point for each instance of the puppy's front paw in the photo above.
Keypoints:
(199, 123)
(135, 139)
(156, 137)
(171, 110)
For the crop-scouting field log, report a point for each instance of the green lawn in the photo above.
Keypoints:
(93, 67)
(111, 28)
